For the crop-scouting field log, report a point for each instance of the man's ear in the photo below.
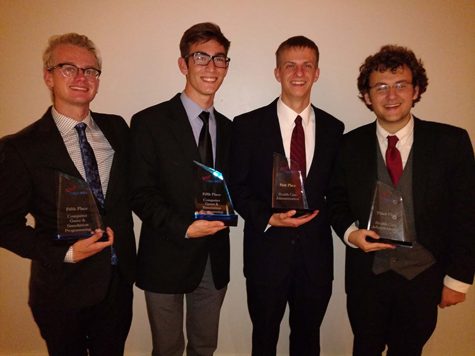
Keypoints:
(277, 74)
(367, 99)
(183, 65)
(48, 78)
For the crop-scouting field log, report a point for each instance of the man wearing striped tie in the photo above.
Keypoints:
(80, 289)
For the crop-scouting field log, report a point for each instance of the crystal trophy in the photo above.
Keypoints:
(288, 191)
(387, 217)
(213, 201)
(77, 212)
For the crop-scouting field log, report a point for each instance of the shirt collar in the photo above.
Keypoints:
(65, 123)
(193, 109)
(402, 135)
(287, 115)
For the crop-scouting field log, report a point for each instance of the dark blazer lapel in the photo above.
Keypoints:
(422, 149)
(321, 144)
(56, 155)
(222, 142)
(114, 174)
(107, 130)
(365, 167)
(369, 148)
(180, 127)
(271, 129)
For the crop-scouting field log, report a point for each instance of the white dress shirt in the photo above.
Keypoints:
(103, 152)
(287, 123)
(405, 140)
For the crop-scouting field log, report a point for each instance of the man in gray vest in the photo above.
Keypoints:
(392, 290)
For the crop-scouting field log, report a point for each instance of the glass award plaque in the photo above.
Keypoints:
(77, 212)
(288, 191)
(387, 217)
(212, 200)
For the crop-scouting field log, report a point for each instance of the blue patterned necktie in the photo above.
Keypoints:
(92, 173)
(90, 164)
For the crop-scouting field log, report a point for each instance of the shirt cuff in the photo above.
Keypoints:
(69, 258)
(456, 285)
(348, 231)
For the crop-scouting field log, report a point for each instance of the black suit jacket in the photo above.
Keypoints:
(163, 197)
(29, 164)
(443, 196)
(267, 254)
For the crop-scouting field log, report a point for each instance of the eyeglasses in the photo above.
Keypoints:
(202, 59)
(383, 88)
(70, 71)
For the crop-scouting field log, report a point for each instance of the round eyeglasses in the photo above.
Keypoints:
(383, 88)
(202, 59)
(70, 71)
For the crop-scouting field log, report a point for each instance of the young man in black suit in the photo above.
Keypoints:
(178, 256)
(287, 259)
(393, 291)
(80, 291)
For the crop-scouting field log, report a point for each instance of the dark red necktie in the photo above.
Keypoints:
(297, 148)
(393, 160)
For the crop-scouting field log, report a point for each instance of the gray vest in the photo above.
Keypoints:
(406, 261)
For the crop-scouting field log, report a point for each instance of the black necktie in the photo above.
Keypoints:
(205, 146)
(90, 164)
(298, 158)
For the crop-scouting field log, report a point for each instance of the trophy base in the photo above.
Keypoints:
(228, 220)
(72, 237)
(299, 212)
(78, 236)
(392, 242)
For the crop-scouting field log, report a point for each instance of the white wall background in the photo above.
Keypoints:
(139, 44)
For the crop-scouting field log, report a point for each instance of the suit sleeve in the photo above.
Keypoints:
(149, 200)
(461, 254)
(16, 196)
(254, 211)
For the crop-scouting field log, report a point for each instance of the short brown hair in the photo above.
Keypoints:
(200, 33)
(297, 41)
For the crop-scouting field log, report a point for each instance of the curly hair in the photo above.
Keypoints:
(69, 39)
(392, 57)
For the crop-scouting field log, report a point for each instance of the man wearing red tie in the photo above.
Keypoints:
(287, 259)
(393, 291)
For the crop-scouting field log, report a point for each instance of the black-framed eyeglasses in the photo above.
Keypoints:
(202, 59)
(70, 70)
(383, 88)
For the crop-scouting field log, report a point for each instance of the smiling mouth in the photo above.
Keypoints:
(209, 79)
(392, 106)
(76, 88)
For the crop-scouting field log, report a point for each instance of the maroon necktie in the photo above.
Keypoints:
(297, 148)
(393, 160)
